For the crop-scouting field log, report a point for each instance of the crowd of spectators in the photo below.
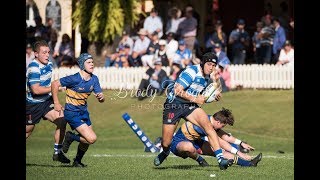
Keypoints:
(176, 43)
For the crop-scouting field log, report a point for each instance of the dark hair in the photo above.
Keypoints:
(224, 116)
(38, 44)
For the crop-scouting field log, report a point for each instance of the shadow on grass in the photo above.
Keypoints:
(50, 165)
(187, 167)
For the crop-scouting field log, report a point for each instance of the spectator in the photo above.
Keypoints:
(29, 54)
(162, 54)
(187, 29)
(50, 30)
(266, 41)
(176, 69)
(278, 40)
(217, 37)
(64, 52)
(152, 51)
(40, 29)
(224, 73)
(139, 48)
(184, 55)
(172, 47)
(174, 21)
(286, 56)
(126, 39)
(256, 41)
(222, 56)
(153, 23)
(152, 82)
(119, 58)
(240, 41)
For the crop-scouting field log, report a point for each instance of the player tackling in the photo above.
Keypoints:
(183, 101)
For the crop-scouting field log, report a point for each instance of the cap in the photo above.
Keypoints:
(142, 32)
(153, 10)
(121, 47)
(224, 62)
(158, 62)
(162, 42)
(217, 45)
(154, 33)
(241, 21)
(287, 43)
(126, 46)
(218, 23)
(182, 42)
(82, 58)
(259, 24)
(176, 63)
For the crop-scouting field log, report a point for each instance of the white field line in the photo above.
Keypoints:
(154, 155)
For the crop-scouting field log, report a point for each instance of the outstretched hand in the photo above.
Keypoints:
(100, 97)
(247, 146)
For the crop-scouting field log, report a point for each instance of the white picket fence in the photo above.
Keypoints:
(248, 76)
(262, 76)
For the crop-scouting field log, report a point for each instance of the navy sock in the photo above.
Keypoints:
(166, 150)
(235, 146)
(82, 149)
(76, 137)
(240, 161)
(199, 158)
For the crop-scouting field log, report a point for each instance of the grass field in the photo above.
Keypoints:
(263, 118)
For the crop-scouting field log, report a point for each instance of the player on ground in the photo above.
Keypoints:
(39, 103)
(189, 141)
(183, 101)
(78, 88)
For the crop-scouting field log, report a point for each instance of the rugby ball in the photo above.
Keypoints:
(211, 91)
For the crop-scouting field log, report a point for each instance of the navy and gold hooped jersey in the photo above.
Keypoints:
(78, 91)
(191, 131)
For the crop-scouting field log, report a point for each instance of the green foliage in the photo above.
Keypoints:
(114, 21)
(102, 20)
(81, 16)
(130, 10)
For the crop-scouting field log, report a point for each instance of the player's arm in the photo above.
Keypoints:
(54, 91)
(38, 90)
(226, 146)
(34, 81)
(231, 139)
(179, 91)
(184, 80)
(98, 91)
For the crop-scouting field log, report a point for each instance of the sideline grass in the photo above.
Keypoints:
(264, 118)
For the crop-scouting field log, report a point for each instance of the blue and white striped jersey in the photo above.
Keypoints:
(38, 73)
(193, 82)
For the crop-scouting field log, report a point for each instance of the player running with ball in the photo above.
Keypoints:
(183, 101)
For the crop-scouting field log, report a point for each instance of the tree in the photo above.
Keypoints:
(101, 20)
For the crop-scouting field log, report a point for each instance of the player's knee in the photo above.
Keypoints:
(92, 139)
(189, 148)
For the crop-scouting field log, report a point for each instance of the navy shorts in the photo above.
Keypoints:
(172, 113)
(197, 144)
(36, 111)
(77, 118)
